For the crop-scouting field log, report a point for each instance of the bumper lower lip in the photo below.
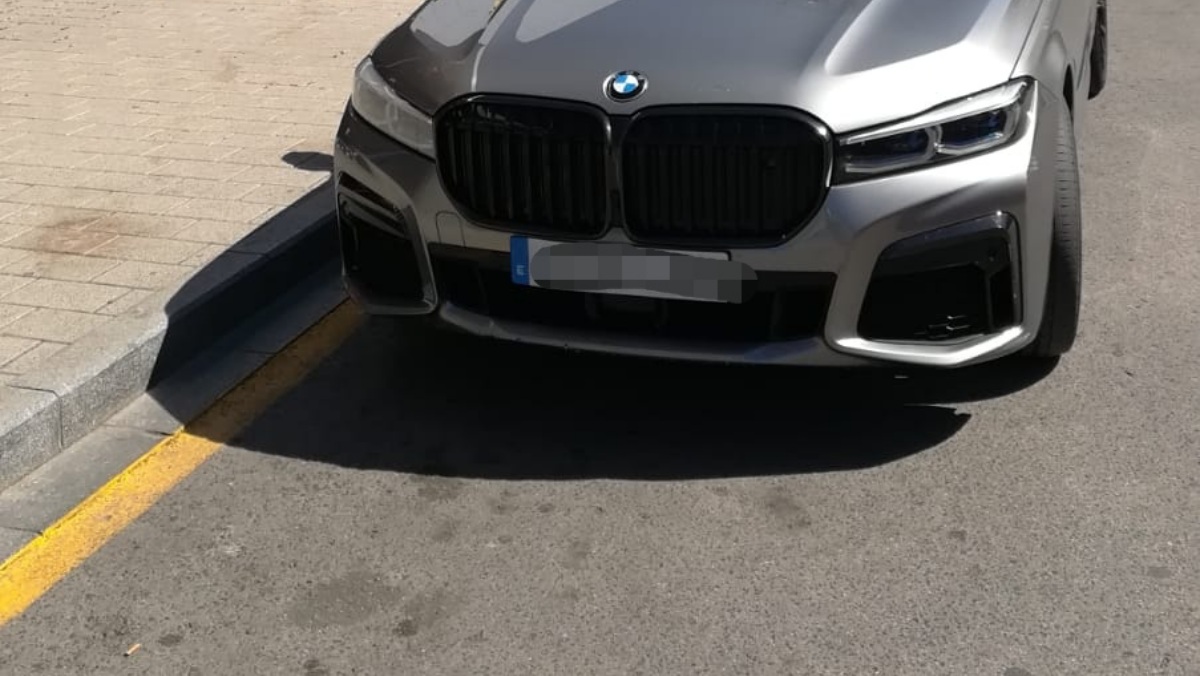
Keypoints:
(857, 225)
(806, 352)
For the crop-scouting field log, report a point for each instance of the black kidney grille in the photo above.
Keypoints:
(721, 177)
(526, 167)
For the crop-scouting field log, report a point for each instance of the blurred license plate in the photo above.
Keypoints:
(622, 269)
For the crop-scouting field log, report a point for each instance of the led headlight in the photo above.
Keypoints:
(972, 125)
(376, 103)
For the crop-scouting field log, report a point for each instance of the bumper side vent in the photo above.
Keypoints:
(377, 252)
(958, 289)
(926, 306)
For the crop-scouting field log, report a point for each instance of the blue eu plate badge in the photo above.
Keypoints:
(519, 248)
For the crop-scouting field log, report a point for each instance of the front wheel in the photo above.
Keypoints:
(1060, 319)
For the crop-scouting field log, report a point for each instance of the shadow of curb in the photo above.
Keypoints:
(88, 382)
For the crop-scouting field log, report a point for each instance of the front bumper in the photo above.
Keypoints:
(943, 267)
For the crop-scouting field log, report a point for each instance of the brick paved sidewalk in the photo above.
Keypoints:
(140, 139)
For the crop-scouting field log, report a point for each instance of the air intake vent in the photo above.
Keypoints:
(526, 168)
(737, 177)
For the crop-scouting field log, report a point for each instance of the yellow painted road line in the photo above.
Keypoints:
(39, 565)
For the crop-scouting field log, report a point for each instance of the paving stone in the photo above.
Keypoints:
(274, 194)
(139, 274)
(114, 146)
(199, 169)
(50, 293)
(207, 189)
(12, 347)
(46, 100)
(126, 302)
(116, 181)
(278, 144)
(46, 216)
(11, 313)
(34, 359)
(8, 209)
(277, 175)
(10, 283)
(58, 196)
(220, 210)
(192, 151)
(61, 326)
(117, 131)
(55, 176)
(255, 126)
(9, 231)
(149, 249)
(205, 256)
(10, 256)
(136, 203)
(49, 157)
(217, 232)
(66, 267)
(59, 240)
(126, 163)
(141, 225)
(8, 189)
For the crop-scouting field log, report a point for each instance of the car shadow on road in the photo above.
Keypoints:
(400, 398)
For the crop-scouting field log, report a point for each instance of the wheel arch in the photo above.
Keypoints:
(1047, 60)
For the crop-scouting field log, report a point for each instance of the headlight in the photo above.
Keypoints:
(972, 125)
(374, 100)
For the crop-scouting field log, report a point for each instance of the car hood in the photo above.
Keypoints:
(850, 63)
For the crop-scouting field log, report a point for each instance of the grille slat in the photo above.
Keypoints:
(546, 167)
(506, 183)
(757, 189)
(487, 142)
(523, 169)
(469, 162)
(564, 157)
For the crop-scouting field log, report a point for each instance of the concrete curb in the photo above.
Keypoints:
(45, 412)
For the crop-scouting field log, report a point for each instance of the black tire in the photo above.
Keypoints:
(1060, 321)
(1099, 55)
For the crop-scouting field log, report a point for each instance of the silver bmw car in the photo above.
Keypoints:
(816, 182)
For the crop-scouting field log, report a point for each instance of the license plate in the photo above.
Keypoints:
(622, 269)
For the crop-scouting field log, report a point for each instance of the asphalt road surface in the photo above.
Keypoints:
(427, 505)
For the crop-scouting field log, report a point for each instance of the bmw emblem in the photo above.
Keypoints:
(626, 85)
